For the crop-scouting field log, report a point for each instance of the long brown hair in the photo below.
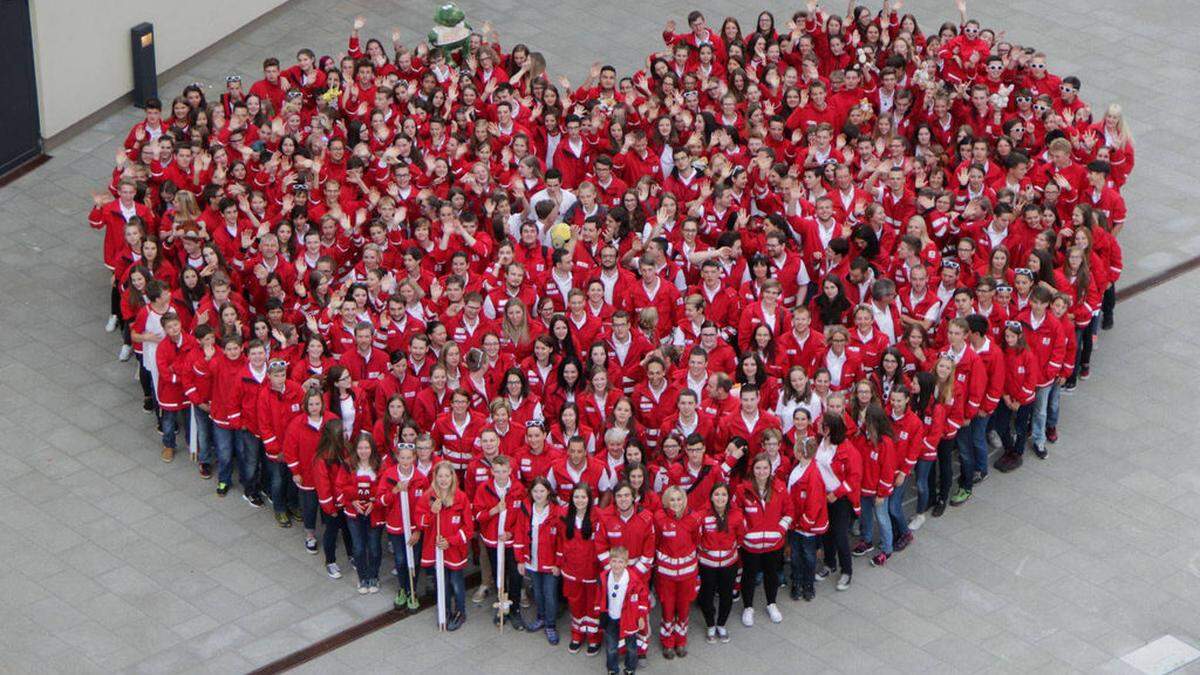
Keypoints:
(331, 448)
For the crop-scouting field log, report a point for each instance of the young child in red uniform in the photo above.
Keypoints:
(624, 608)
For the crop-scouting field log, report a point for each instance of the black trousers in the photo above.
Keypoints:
(769, 564)
(941, 480)
(716, 586)
(837, 537)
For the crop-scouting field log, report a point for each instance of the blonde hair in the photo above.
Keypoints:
(447, 497)
(666, 496)
(1124, 135)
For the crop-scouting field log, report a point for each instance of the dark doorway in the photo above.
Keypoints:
(20, 133)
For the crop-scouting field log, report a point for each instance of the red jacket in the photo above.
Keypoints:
(790, 352)
(300, 448)
(362, 488)
(578, 557)
(249, 389)
(226, 381)
(110, 219)
(934, 428)
(910, 437)
(635, 609)
(174, 371)
(767, 521)
(698, 486)
(564, 478)
(993, 366)
(810, 508)
(527, 465)
(540, 538)
(651, 411)
(719, 547)
(395, 503)
(455, 523)
(275, 412)
(516, 517)
(677, 542)
(848, 467)
(629, 371)
(1023, 375)
(457, 447)
(1048, 341)
(635, 534)
(325, 476)
(879, 466)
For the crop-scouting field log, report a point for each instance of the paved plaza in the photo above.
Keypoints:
(114, 561)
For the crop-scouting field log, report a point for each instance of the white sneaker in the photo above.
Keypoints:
(722, 634)
(774, 613)
(125, 353)
(480, 594)
(333, 570)
(362, 588)
(843, 583)
(748, 617)
(710, 635)
(917, 521)
(112, 323)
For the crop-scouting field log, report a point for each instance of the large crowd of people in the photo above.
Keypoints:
(687, 335)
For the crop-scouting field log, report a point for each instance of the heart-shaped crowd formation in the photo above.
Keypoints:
(690, 320)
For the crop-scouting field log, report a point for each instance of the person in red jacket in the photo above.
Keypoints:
(539, 558)
(454, 432)
(810, 518)
(878, 452)
(252, 380)
(358, 484)
(841, 469)
(908, 435)
(173, 360)
(699, 472)
(328, 462)
(224, 371)
(447, 526)
(971, 376)
(676, 579)
(768, 512)
(400, 490)
(500, 513)
(576, 467)
(278, 403)
(623, 605)
(577, 555)
(1014, 415)
(721, 528)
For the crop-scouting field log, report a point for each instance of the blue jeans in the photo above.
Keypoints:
(895, 507)
(229, 446)
(334, 524)
(545, 596)
(456, 591)
(612, 644)
(168, 420)
(283, 488)
(204, 436)
(1052, 406)
(252, 456)
(875, 513)
(924, 468)
(1041, 404)
(400, 558)
(972, 450)
(804, 560)
(367, 549)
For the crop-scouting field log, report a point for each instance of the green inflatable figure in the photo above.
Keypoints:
(451, 33)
